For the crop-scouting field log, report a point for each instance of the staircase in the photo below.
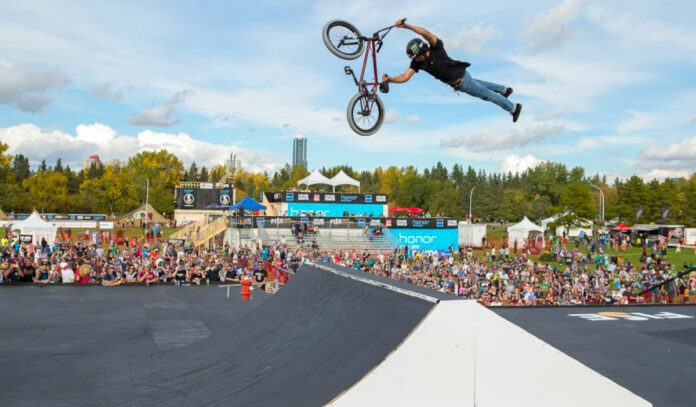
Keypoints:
(183, 232)
(209, 231)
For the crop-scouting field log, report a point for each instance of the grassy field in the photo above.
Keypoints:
(127, 232)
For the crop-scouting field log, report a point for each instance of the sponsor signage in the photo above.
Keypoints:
(390, 223)
(176, 241)
(25, 238)
(321, 197)
(60, 216)
(106, 225)
(202, 198)
(630, 316)
(333, 209)
(425, 239)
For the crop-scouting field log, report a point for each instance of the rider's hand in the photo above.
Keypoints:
(400, 23)
(385, 77)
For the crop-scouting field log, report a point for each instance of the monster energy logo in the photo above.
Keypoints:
(414, 49)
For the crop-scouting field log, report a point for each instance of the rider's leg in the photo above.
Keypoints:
(492, 86)
(474, 88)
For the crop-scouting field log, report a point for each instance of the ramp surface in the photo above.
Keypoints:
(650, 350)
(309, 342)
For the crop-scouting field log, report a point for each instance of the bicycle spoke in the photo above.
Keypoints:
(343, 39)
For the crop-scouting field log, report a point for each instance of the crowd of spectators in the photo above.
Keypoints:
(502, 277)
(141, 261)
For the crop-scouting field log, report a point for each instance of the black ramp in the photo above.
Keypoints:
(59, 343)
(302, 347)
(650, 350)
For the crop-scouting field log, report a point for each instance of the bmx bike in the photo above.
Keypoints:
(365, 109)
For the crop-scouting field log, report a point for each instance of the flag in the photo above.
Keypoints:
(665, 213)
(639, 213)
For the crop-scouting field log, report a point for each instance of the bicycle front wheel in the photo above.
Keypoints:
(342, 39)
(365, 113)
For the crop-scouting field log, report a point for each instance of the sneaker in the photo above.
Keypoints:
(516, 112)
(507, 92)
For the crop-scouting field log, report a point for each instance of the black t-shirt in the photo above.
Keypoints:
(260, 275)
(440, 65)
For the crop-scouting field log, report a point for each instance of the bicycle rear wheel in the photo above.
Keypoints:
(365, 113)
(342, 39)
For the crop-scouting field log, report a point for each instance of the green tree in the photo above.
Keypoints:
(48, 191)
(163, 170)
(112, 193)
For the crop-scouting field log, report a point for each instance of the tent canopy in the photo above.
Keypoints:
(526, 224)
(248, 203)
(144, 211)
(315, 178)
(520, 232)
(343, 179)
(37, 228)
(621, 226)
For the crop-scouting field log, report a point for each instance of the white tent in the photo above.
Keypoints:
(471, 234)
(37, 228)
(314, 178)
(343, 179)
(584, 226)
(521, 231)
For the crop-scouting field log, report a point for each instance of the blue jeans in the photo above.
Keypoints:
(488, 91)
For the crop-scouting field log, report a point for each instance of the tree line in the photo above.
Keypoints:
(547, 189)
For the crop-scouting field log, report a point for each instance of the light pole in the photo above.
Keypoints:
(601, 202)
(471, 194)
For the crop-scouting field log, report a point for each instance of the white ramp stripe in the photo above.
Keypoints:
(462, 354)
(375, 283)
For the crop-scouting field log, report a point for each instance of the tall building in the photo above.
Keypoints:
(299, 151)
(92, 160)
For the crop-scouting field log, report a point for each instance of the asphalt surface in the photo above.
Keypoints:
(189, 346)
(653, 358)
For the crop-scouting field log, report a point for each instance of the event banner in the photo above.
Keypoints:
(325, 197)
(388, 223)
(334, 210)
(60, 216)
(424, 239)
(202, 198)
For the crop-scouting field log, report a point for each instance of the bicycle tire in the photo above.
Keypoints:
(325, 34)
(351, 118)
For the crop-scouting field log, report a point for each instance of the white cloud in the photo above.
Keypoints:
(607, 141)
(684, 150)
(105, 91)
(572, 84)
(550, 29)
(488, 140)
(638, 121)
(38, 144)
(161, 116)
(391, 116)
(641, 33)
(473, 39)
(661, 174)
(516, 164)
(413, 119)
(27, 89)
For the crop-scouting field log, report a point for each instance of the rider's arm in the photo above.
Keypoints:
(404, 77)
(432, 39)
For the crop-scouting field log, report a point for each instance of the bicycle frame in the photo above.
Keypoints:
(374, 44)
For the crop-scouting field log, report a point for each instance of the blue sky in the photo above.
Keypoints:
(607, 85)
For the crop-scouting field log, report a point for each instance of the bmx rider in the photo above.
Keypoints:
(431, 57)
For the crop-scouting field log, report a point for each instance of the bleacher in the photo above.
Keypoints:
(338, 239)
